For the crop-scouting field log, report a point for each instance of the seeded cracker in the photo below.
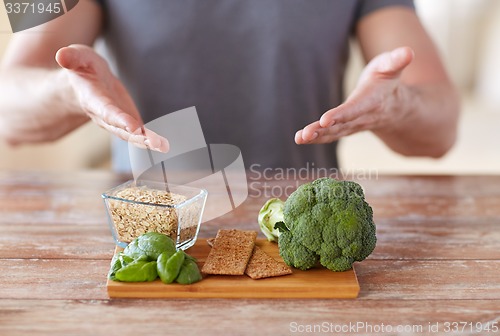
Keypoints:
(230, 253)
(262, 265)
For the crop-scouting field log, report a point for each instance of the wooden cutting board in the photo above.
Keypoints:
(314, 283)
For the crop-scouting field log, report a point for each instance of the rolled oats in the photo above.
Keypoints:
(134, 219)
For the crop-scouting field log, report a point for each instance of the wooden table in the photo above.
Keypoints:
(437, 261)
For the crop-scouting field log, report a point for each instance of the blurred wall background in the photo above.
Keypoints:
(467, 33)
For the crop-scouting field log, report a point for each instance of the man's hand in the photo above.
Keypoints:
(373, 105)
(408, 102)
(104, 98)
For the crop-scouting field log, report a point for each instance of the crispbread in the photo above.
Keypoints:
(230, 253)
(262, 265)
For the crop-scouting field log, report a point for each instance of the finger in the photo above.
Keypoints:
(330, 134)
(112, 115)
(391, 64)
(349, 110)
(298, 137)
(144, 138)
(79, 58)
(155, 141)
(150, 140)
(140, 135)
(323, 138)
(357, 106)
(328, 118)
(127, 127)
(338, 131)
(320, 134)
(310, 132)
(335, 132)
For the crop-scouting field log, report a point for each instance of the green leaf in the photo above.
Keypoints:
(133, 251)
(116, 264)
(189, 273)
(137, 271)
(168, 267)
(154, 244)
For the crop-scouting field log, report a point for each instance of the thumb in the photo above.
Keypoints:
(79, 58)
(391, 64)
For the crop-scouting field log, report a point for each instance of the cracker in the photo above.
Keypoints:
(262, 265)
(230, 253)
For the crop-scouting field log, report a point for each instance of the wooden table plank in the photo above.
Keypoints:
(226, 317)
(55, 241)
(468, 186)
(397, 239)
(438, 239)
(47, 279)
(435, 207)
(429, 279)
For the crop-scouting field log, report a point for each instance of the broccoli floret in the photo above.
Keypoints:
(294, 253)
(329, 221)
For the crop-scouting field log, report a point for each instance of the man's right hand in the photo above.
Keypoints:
(103, 97)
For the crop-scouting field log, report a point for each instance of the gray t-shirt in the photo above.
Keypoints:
(256, 70)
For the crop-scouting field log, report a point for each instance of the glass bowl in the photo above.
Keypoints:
(135, 208)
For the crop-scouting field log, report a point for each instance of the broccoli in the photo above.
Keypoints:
(329, 221)
(299, 256)
(269, 215)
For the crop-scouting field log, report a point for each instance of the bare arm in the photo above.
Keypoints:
(403, 96)
(49, 89)
(426, 96)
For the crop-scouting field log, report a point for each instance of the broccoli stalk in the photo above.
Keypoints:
(269, 215)
(329, 221)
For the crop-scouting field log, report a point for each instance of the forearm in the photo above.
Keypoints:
(37, 105)
(428, 123)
